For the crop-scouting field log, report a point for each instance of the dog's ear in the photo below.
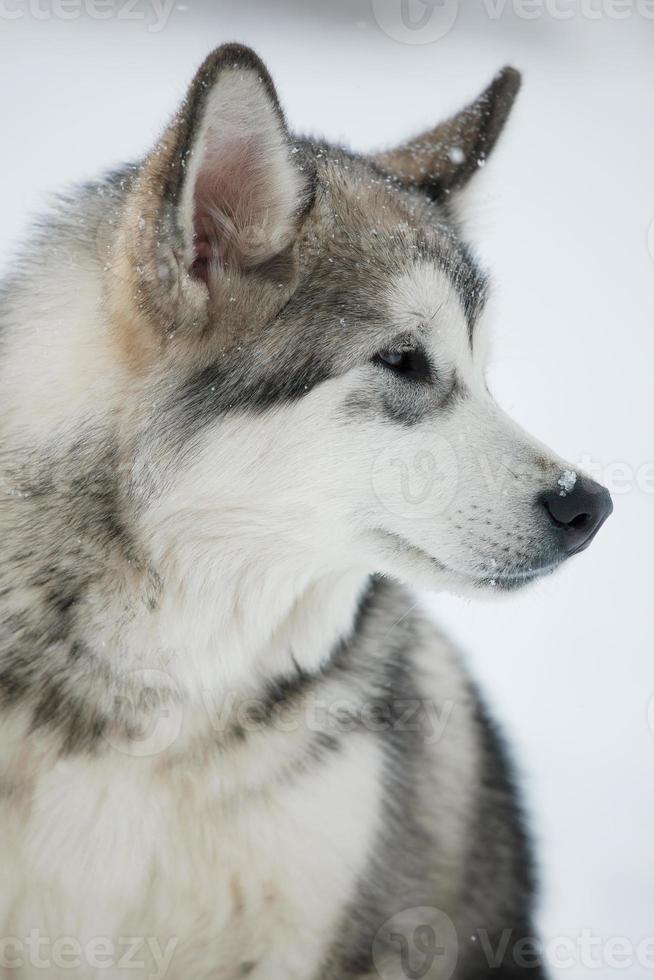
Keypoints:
(220, 198)
(239, 190)
(445, 158)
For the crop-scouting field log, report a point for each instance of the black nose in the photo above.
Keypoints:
(578, 512)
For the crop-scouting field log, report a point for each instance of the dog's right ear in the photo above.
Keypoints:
(220, 198)
(444, 159)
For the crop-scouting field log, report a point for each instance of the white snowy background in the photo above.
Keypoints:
(563, 217)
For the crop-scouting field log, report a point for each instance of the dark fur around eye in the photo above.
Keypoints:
(410, 365)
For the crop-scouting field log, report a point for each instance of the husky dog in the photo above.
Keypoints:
(244, 406)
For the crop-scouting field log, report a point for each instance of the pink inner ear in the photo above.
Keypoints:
(230, 212)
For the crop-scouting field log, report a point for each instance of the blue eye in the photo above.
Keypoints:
(412, 365)
(393, 358)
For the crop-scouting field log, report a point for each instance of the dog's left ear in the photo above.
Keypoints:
(445, 158)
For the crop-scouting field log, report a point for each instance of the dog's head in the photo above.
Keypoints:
(304, 335)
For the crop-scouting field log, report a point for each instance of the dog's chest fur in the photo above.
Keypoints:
(261, 852)
(115, 848)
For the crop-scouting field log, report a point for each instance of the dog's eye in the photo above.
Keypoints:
(411, 364)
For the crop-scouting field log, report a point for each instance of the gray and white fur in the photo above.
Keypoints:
(228, 734)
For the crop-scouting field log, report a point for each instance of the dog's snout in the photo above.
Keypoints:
(578, 512)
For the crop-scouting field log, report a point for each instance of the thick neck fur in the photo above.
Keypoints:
(95, 647)
(229, 625)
